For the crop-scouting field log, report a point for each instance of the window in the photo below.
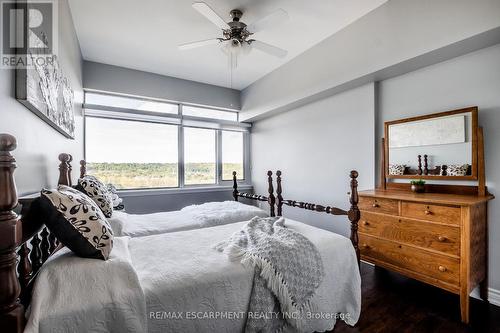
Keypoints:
(209, 113)
(199, 156)
(132, 154)
(133, 149)
(130, 103)
(232, 155)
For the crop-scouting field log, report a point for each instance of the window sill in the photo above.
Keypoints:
(170, 191)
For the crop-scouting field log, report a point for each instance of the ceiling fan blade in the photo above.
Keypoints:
(269, 49)
(210, 14)
(192, 45)
(270, 20)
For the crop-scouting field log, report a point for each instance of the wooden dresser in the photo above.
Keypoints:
(436, 238)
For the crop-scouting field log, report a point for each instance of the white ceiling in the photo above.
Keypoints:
(144, 34)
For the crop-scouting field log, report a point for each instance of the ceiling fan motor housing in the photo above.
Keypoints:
(237, 32)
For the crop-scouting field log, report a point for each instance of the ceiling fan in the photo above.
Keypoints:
(235, 38)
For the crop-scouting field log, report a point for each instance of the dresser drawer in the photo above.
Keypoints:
(436, 266)
(438, 237)
(387, 206)
(435, 213)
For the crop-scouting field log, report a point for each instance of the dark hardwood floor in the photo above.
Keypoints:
(393, 303)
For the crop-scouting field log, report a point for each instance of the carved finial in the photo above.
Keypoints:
(8, 199)
(63, 169)
(278, 193)
(235, 186)
(64, 158)
(7, 142)
(83, 168)
(70, 168)
(271, 199)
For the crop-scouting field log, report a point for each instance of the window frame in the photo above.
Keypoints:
(118, 113)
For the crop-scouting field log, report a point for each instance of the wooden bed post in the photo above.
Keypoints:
(271, 199)
(235, 187)
(279, 190)
(70, 168)
(11, 311)
(64, 169)
(83, 168)
(354, 213)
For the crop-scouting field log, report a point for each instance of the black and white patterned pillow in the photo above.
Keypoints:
(117, 201)
(98, 192)
(397, 169)
(76, 221)
(457, 170)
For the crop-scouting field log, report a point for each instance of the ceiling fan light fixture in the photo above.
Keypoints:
(236, 34)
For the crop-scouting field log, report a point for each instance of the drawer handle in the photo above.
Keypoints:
(375, 205)
(442, 269)
(366, 223)
(442, 238)
(365, 246)
(428, 212)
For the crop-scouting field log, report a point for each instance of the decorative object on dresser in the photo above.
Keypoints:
(418, 186)
(438, 237)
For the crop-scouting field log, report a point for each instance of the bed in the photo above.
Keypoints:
(190, 217)
(155, 275)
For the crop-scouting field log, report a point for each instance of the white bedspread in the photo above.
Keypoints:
(180, 284)
(73, 294)
(185, 277)
(191, 217)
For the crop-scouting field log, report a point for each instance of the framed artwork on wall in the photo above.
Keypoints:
(41, 84)
(46, 91)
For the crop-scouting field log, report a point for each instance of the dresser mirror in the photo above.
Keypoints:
(436, 146)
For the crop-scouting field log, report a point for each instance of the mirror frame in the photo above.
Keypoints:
(474, 167)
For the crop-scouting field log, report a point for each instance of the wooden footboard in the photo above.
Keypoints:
(270, 198)
(353, 214)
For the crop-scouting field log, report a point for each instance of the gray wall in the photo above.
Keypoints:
(315, 147)
(38, 143)
(472, 79)
(397, 37)
(116, 79)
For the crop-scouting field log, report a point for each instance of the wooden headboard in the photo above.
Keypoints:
(25, 244)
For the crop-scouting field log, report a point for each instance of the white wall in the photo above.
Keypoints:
(472, 79)
(316, 146)
(38, 143)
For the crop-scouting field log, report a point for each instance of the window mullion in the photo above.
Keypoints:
(180, 152)
(218, 154)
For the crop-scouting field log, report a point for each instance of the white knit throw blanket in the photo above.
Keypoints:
(288, 270)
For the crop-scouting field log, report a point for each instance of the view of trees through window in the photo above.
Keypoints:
(138, 154)
(132, 154)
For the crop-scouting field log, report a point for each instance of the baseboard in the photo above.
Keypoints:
(493, 295)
